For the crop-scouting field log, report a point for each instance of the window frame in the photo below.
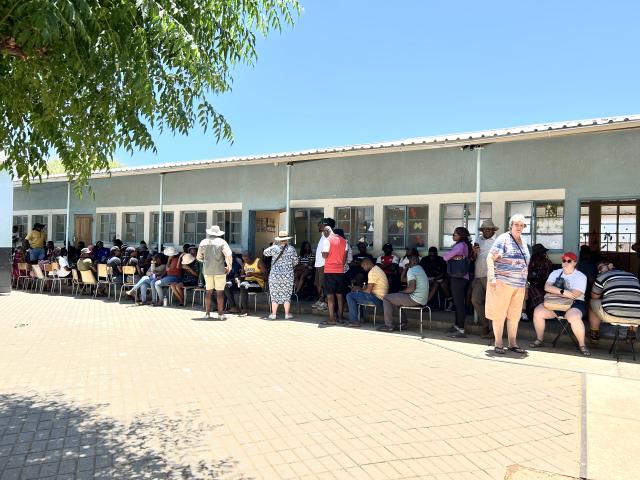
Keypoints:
(466, 217)
(154, 217)
(139, 227)
(196, 234)
(355, 220)
(532, 221)
(228, 224)
(406, 234)
(54, 227)
(43, 219)
(112, 224)
(23, 225)
(308, 234)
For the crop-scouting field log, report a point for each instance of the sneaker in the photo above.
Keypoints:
(165, 302)
(214, 316)
(316, 303)
(288, 317)
(451, 329)
(222, 318)
(241, 314)
(271, 316)
(322, 306)
(129, 293)
(207, 316)
(384, 328)
(457, 333)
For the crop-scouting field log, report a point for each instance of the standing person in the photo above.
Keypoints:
(539, 269)
(481, 249)
(284, 260)
(507, 270)
(460, 252)
(569, 283)
(345, 269)
(304, 267)
(334, 252)
(319, 263)
(37, 237)
(217, 260)
(415, 295)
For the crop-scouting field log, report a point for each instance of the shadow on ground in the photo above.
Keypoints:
(45, 437)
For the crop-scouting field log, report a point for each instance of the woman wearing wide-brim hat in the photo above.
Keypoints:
(173, 273)
(284, 260)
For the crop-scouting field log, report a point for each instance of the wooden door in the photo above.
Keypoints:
(83, 227)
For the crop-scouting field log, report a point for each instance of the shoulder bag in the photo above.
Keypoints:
(555, 301)
(459, 268)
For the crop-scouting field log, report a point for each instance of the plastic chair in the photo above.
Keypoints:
(38, 283)
(23, 274)
(104, 278)
(51, 274)
(76, 283)
(421, 309)
(200, 291)
(264, 291)
(128, 271)
(88, 280)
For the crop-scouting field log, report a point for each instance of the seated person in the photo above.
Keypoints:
(304, 270)
(436, 269)
(403, 265)
(173, 274)
(388, 262)
(377, 287)
(100, 252)
(19, 256)
(190, 274)
(233, 282)
(115, 263)
(573, 285)
(615, 298)
(155, 272)
(50, 248)
(64, 270)
(415, 295)
(116, 242)
(356, 275)
(252, 279)
(84, 262)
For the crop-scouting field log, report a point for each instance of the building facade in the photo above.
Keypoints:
(576, 182)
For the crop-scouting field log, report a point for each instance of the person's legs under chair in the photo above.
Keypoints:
(574, 317)
(395, 299)
(540, 317)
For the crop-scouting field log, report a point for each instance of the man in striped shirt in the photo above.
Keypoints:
(615, 298)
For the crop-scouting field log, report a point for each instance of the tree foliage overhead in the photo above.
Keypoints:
(81, 78)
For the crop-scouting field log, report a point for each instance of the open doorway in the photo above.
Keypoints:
(610, 227)
(264, 225)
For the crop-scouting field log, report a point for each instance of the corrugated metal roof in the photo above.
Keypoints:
(519, 133)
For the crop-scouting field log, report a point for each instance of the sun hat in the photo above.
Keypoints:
(488, 224)
(570, 255)
(170, 251)
(187, 258)
(215, 231)
(85, 250)
(539, 248)
(282, 235)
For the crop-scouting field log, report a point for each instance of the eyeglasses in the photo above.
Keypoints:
(567, 260)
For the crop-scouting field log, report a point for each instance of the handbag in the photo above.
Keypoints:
(555, 302)
(458, 268)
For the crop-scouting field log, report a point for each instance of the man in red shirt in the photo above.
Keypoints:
(334, 253)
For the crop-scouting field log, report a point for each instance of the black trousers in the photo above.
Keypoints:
(459, 292)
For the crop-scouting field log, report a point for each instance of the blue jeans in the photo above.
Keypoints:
(36, 254)
(143, 284)
(356, 298)
(165, 282)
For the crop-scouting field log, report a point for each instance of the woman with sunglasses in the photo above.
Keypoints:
(570, 283)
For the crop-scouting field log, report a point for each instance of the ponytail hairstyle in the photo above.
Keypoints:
(464, 235)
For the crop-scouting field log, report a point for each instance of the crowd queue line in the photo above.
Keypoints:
(498, 275)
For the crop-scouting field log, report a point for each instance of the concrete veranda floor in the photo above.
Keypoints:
(96, 389)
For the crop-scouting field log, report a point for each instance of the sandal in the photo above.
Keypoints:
(500, 350)
(517, 349)
(536, 344)
(327, 323)
(584, 351)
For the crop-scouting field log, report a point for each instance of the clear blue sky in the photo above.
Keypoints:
(360, 71)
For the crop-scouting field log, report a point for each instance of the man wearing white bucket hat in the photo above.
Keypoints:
(216, 257)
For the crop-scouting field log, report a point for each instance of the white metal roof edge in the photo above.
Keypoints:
(519, 133)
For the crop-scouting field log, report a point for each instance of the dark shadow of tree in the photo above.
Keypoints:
(45, 437)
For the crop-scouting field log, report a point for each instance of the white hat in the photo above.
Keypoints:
(215, 231)
(187, 258)
(170, 251)
(282, 235)
(85, 250)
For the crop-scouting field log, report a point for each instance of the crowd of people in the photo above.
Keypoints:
(499, 276)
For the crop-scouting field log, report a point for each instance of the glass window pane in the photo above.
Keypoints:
(454, 211)
(523, 208)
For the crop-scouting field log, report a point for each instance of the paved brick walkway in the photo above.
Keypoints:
(94, 389)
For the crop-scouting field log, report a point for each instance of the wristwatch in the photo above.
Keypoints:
(562, 291)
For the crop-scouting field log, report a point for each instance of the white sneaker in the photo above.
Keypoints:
(214, 316)
(316, 303)
(288, 316)
(223, 318)
(272, 317)
(322, 306)
(165, 302)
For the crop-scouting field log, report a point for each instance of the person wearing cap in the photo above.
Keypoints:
(217, 260)
(507, 270)
(539, 269)
(115, 263)
(569, 283)
(390, 265)
(173, 274)
(37, 238)
(85, 263)
(281, 277)
(320, 304)
(190, 274)
(481, 248)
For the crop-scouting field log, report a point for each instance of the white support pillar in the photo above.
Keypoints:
(288, 199)
(66, 227)
(160, 211)
(478, 182)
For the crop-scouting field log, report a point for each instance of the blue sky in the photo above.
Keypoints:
(360, 71)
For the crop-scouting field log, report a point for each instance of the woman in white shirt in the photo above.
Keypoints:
(568, 283)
